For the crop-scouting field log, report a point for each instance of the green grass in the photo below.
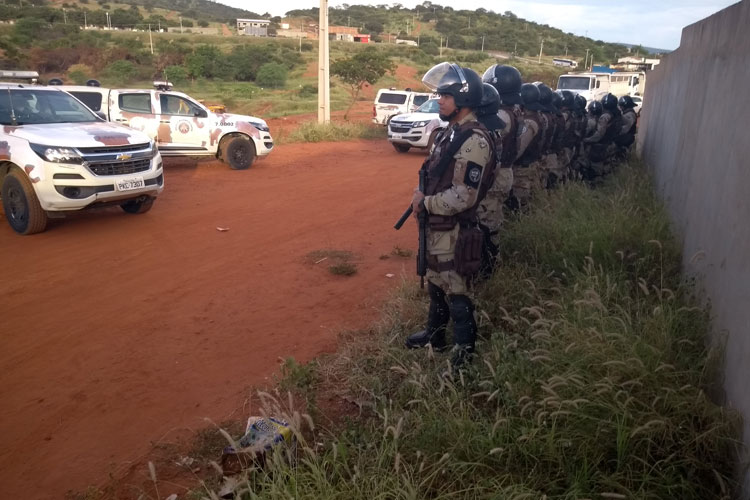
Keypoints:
(589, 383)
(315, 132)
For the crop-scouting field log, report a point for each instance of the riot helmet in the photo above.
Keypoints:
(530, 96)
(507, 80)
(595, 108)
(625, 102)
(463, 84)
(568, 99)
(545, 95)
(609, 102)
(556, 100)
(488, 108)
(490, 103)
(580, 102)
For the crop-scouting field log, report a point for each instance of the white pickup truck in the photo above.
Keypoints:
(179, 124)
(58, 156)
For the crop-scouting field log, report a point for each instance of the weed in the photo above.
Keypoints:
(401, 252)
(343, 269)
(315, 132)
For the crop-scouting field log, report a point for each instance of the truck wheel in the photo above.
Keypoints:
(138, 206)
(401, 148)
(21, 206)
(239, 153)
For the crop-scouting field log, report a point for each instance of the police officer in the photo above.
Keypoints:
(458, 172)
(489, 210)
(530, 140)
(626, 136)
(602, 146)
(506, 80)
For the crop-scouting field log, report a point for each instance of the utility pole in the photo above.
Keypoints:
(150, 40)
(515, 47)
(566, 51)
(181, 25)
(65, 16)
(586, 62)
(324, 95)
(441, 46)
(482, 43)
(540, 51)
(85, 24)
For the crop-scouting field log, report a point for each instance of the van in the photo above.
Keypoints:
(391, 102)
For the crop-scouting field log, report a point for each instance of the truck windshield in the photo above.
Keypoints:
(573, 83)
(36, 106)
(430, 106)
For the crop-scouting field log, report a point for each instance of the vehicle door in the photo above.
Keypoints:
(134, 108)
(183, 123)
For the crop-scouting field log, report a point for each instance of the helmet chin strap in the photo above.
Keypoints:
(447, 118)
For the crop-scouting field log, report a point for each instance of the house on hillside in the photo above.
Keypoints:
(347, 34)
(253, 27)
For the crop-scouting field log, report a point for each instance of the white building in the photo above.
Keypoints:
(253, 27)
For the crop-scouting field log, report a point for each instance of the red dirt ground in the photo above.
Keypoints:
(119, 330)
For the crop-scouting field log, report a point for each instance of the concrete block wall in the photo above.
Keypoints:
(694, 133)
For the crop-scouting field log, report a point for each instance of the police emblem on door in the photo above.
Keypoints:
(184, 127)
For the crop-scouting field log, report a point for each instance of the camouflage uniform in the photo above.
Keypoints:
(525, 170)
(462, 195)
(490, 210)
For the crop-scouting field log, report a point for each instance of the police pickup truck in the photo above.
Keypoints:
(57, 156)
(418, 129)
(180, 125)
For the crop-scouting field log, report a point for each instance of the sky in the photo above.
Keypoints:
(651, 23)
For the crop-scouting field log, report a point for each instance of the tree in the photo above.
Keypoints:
(367, 66)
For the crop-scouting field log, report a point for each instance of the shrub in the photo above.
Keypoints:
(121, 71)
(430, 48)
(271, 75)
(307, 47)
(308, 90)
(176, 74)
(79, 73)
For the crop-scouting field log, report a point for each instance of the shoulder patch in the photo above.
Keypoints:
(473, 174)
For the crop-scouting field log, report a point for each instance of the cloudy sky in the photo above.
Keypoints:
(652, 23)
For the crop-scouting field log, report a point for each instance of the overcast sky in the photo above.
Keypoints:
(652, 23)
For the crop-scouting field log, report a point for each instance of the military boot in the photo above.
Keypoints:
(437, 320)
(464, 330)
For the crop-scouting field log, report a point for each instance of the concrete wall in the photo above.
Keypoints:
(695, 136)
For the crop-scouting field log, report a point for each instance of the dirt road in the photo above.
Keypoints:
(118, 329)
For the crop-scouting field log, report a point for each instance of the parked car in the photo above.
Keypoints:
(391, 102)
(56, 155)
(418, 129)
(180, 125)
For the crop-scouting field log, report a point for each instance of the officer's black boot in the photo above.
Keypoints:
(437, 320)
(464, 329)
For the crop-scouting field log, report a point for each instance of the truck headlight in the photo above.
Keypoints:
(154, 149)
(57, 154)
(260, 126)
(421, 124)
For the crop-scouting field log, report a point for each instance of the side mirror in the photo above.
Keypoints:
(200, 113)
(101, 115)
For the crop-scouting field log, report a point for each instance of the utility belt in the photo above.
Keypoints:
(467, 257)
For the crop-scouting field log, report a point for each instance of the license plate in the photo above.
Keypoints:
(129, 184)
(395, 136)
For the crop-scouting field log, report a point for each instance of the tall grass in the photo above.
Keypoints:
(589, 381)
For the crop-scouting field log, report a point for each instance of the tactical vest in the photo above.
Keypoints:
(570, 138)
(534, 149)
(440, 173)
(612, 129)
(509, 146)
